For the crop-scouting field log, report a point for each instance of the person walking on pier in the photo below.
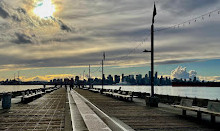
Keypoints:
(65, 86)
(71, 84)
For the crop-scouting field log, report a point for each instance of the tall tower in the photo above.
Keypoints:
(156, 75)
(122, 78)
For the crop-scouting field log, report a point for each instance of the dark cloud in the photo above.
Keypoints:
(65, 27)
(6, 13)
(109, 8)
(79, 60)
(16, 18)
(186, 6)
(131, 33)
(3, 12)
(174, 47)
(21, 10)
(69, 39)
(23, 39)
(168, 62)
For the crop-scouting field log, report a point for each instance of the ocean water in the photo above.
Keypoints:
(212, 93)
(10, 88)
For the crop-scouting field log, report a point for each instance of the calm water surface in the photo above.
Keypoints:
(199, 92)
(10, 88)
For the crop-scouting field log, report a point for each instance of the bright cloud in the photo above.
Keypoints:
(210, 78)
(47, 77)
(180, 72)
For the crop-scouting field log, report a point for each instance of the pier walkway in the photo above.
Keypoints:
(54, 111)
(45, 113)
(140, 117)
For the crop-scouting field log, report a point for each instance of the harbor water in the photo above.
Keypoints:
(211, 93)
(12, 88)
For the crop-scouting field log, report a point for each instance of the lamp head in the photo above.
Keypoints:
(146, 51)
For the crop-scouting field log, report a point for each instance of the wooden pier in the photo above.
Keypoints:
(140, 117)
(63, 110)
(45, 113)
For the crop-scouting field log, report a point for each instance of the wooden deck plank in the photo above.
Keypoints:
(140, 117)
(45, 113)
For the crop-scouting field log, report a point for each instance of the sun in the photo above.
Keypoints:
(44, 8)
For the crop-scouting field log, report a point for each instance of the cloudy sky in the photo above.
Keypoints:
(46, 39)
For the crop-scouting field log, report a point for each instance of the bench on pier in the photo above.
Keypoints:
(108, 92)
(39, 93)
(124, 95)
(92, 121)
(51, 89)
(213, 108)
(95, 90)
(56, 88)
(26, 97)
(85, 88)
(30, 96)
(117, 94)
(48, 90)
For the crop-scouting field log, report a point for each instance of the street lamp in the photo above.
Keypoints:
(102, 72)
(146, 51)
(83, 78)
(152, 100)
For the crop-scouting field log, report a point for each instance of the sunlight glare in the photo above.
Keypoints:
(44, 9)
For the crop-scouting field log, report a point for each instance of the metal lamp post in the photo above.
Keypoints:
(83, 78)
(152, 100)
(103, 72)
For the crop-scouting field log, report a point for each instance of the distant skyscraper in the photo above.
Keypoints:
(146, 76)
(122, 78)
(194, 79)
(138, 79)
(110, 80)
(146, 79)
(156, 79)
(149, 74)
(103, 77)
(117, 79)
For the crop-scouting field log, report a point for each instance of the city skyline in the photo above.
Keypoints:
(123, 79)
(64, 44)
(180, 73)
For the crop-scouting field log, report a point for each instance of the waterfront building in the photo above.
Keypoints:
(109, 80)
(139, 79)
(117, 79)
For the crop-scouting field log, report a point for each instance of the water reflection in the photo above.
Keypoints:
(10, 88)
(199, 92)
